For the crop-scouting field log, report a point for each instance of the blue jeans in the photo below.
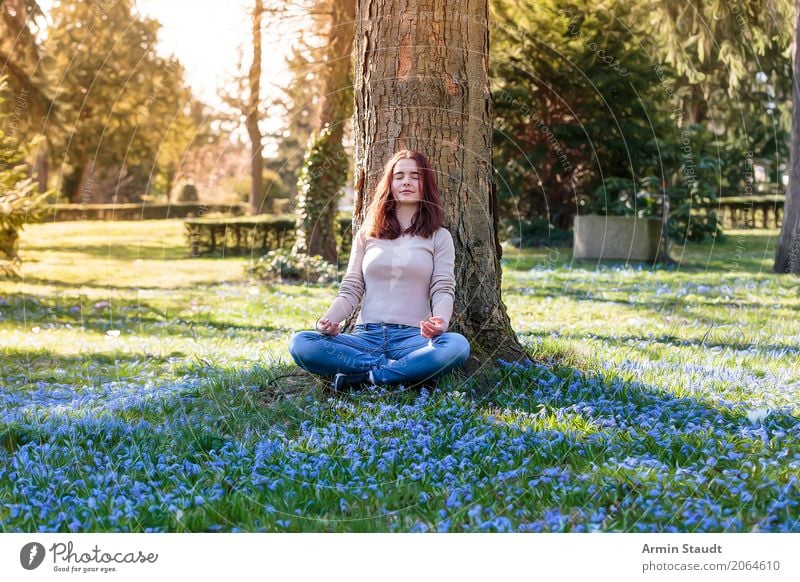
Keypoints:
(396, 354)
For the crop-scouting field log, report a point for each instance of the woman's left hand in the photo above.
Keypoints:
(432, 327)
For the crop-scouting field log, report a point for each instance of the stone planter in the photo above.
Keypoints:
(616, 237)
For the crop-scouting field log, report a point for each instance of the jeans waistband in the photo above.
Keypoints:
(383, 325)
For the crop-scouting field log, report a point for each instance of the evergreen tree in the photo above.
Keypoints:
(576, 101)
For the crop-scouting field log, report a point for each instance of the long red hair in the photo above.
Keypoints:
(381, 216)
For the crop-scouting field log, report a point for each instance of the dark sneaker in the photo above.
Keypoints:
(346, 383)
(429, 385)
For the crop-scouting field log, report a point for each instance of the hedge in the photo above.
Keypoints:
(255, 235)
(138, 211)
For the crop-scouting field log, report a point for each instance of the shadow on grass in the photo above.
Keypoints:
(129, 313)
(250, 400)
(117, 252)
(625, 426)
(32, 280)
(718, 311)
(23, 367)
(556, 384)
(665, 339)
(743, 252)
(631, 422)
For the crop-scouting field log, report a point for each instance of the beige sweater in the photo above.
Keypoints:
(404, 280)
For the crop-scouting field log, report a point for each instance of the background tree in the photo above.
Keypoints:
(20, 51)
(326, 163)
(19, 201)
(118, 99)
(734, 34)
(191, 130)
(421, 82)
(269, 177)
(588, 113)
(718, 50)
(732, 68)
(253, 115)
(576, 103)
(298, 105)
(21, 55)
(702, 36)
(300, 100)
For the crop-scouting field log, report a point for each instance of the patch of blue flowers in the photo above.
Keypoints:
(550, 449)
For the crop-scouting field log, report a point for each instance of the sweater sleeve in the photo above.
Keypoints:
(443, 280)
(351, 289)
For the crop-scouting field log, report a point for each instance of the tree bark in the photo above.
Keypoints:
(325, 167)
(252, 116)
(697, 105)
(42, 166)
(787, 257)
(170, 176)
(86, 189)
(74, 181)
(421, 82)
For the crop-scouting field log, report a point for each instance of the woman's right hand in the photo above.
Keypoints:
(327, 326)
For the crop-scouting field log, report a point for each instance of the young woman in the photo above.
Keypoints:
(401, 265)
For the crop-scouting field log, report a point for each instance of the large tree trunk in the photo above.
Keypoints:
(252, 117)
(325, 169)
(422, 83)
(787, 258)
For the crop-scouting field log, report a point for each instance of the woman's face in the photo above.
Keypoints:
(406, 183)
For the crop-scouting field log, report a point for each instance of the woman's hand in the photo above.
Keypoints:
(327, 326)
(432, 327)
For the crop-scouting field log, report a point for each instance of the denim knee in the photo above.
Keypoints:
(299, 344)
(454, 352)
(459, 348)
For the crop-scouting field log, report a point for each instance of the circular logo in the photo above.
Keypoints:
(31, 555)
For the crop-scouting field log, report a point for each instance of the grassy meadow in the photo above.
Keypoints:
(146, 390)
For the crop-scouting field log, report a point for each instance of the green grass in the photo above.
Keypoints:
(148, 390)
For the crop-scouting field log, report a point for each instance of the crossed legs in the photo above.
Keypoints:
(405, 356)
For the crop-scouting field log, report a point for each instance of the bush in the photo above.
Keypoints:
(281, 265)
(19, 204)
(188, 193)
(139, 211)
(689, 174)
(620, 197)
(254, 235)
(274, 188)
(692, 185)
